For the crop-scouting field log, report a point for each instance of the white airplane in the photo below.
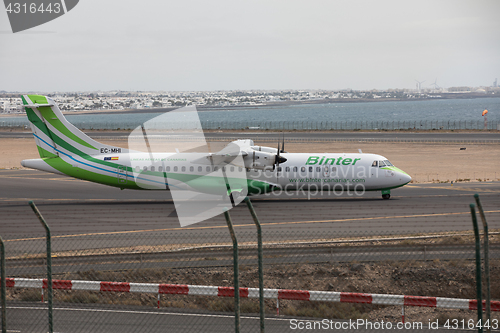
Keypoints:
(66, 150)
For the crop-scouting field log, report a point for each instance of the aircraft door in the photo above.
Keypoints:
(122, 174)
(326, 171)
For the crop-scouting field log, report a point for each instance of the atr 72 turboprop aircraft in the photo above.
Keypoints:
(66, 150)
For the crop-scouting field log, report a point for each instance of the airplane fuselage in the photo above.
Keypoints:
(301, 171)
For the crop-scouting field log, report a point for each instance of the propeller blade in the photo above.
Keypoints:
(276, 159)
(283, 145)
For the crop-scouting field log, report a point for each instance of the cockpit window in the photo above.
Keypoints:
(388, 163)
(375, 164)
(381, 164)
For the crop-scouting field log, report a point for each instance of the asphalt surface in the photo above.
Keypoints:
(86, 211)
(256, 135)
(122, 319)
(83, 216)
(211, 258)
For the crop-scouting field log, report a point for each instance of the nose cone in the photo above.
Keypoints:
(280, 159)
(405, 178)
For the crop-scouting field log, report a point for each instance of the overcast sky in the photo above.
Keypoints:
(231, 45)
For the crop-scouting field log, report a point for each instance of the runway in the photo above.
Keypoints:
(71, 318)
(79, 211)
(120, 319)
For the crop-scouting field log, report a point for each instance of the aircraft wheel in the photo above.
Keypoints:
(386, 196)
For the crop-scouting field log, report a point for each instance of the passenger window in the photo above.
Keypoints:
(167, 168)
(375, 164)
(208, 169)
(318, 169)
(160, 169)
(303, 169)
(223, 169)
(216, 168)
(287, 169)
(183, 168)
(240, 169)
(279, 169)
(200, 169)
(310, 169)
(294, 169)
(152, 168)
(232, 169)
(145, 168)
(191, 168)
(137, 169)
(176, 168)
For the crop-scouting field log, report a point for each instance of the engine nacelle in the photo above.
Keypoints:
(266, 149)
(260, 160)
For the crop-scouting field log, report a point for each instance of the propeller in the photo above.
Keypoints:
(279, 159)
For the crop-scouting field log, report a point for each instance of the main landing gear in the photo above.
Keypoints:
(386, 194)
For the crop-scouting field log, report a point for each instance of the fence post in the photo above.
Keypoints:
(3, 286)
(261, 264)
(479, 295)
(49, 264)
(236, 272)
(486, 260)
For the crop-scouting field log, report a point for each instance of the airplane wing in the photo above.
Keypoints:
(227, 155)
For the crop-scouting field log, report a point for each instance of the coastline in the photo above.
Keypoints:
(442, 96)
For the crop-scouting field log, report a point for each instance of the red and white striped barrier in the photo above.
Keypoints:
(302, 295)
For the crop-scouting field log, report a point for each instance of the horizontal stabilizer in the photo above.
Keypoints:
(31, 106)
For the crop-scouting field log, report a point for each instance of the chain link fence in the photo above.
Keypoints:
(142, 274)
(300, 125)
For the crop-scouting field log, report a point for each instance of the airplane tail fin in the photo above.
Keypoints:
(54, 135)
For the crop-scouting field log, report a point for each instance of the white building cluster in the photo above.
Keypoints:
(127, 100)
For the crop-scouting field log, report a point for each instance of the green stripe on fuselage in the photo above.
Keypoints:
(393, 168)
(76, 172)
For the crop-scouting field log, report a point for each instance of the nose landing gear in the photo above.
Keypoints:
(386, 194)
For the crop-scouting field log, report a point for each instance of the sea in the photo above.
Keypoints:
(422, 114)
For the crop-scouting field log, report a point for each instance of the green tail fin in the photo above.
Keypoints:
(54, 134)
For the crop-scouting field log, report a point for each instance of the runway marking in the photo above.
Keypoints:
(42, 178)
(142, 312)
(459, 188)
(169, 201)
(247, 225)
(21, 175)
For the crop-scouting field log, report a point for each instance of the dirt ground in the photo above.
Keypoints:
(428, 162)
